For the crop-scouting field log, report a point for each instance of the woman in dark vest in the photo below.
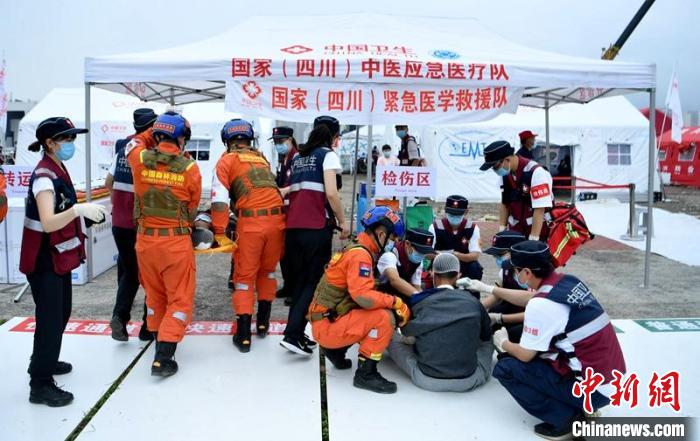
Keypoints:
(53, 246)
(314, 211)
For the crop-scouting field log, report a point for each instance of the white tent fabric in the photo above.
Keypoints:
(457, 151)
(198, 71)
(112, 120)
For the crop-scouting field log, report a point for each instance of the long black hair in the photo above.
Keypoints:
(319, 137)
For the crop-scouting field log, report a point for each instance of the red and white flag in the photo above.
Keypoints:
(673, 103)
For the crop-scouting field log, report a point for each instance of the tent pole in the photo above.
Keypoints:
(88, 176)
(354, 178)
(370, 163)
(546, 131)
(650, 184)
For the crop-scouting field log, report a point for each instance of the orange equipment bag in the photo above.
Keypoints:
(566, 232)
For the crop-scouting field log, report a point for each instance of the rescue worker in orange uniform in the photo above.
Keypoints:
(243, 180)
(347, 309)
(167, 188)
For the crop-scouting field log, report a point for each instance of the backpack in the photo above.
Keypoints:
(566, 232)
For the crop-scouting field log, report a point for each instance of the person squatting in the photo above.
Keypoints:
(411, 294)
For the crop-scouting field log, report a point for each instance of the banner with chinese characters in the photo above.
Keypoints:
(405, 182)
(356, 103)
(17, 177)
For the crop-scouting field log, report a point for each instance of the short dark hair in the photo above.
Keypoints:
(386, 147)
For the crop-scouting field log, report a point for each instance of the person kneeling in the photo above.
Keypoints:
(453, 350)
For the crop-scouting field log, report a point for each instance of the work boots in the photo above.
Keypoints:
(164, 364)
(242, 337)
(367, 377)
(263, 318)
(337, 357)
(47, 392)
(119, 332)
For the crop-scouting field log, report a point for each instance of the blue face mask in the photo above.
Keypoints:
(501, 261)
(389, 247)
(416, 257)
(282, 149)
(501, 171)
(520, 284)
(454, 219)
(66, 151)
(400, 133)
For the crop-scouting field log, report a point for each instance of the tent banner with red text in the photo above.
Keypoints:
(358, 103)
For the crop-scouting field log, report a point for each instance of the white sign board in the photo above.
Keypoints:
(17, 177)
(405, 181)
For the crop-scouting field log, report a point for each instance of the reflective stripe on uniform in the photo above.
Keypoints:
(588, 329)
(150, 311)
(33, 225)
(122, 186)
(68, 245)
(307, 185)
(180, 316)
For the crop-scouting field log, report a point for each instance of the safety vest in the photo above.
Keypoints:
(123, 190)
(516, 195)
(253, 175)
(589, 338)
(158, 200)
(403, 151)
(454, 238)
(308, 206)
(335, 298)
(66, 246)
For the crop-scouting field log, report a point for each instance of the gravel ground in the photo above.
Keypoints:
(614, 273)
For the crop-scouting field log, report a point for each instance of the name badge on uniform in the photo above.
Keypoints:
(365, 270)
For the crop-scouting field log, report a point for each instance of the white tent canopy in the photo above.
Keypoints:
(346, 52)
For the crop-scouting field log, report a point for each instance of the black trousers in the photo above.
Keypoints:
(309, 251)
(53, 297)
(127, 273)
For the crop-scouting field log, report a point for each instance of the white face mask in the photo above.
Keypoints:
(387, 154)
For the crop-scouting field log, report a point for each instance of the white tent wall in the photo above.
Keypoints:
(457, 151)
(112, 120)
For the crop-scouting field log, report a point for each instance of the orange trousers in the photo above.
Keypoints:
(260, 244)
(372, 329)
(167, 272)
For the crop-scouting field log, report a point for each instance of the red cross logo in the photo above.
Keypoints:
(296, 49)
(252, 89)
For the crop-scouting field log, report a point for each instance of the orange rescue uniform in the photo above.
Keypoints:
(370, 321)
(243, 179)
(167, 189)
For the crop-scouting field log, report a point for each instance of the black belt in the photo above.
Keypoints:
(177, 231)
(261, 212)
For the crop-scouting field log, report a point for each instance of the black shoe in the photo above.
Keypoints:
(145, 334)
(50, 394)
(367, 377)
(548, 431)
(281, 293)
(164, 364)
(262, 320)
(118, 329)
(297, 346)
(337, 357)
(287, 301)
(309, 343)
(242, 337)
(62, 368)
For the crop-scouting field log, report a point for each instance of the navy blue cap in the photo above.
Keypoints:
(456, 204)
(421, 239)
(144, 118)
(503, 240)
(494, 152)
(282, 132)
(332, 123)
(531, 254)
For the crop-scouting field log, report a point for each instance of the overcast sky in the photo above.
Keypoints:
(45, 41)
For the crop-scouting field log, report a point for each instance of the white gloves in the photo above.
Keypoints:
(500, 337)
(496, 318)
(94, 212)
(531, 237)
(475, 285)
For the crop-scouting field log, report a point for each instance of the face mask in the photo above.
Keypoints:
(389, 247)
(387, 154)
(520, 284)
(400, 133)
(501, 261)
(282, 149)
(415, 257)
(454, 219)
(66, 151)
(501, 171)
